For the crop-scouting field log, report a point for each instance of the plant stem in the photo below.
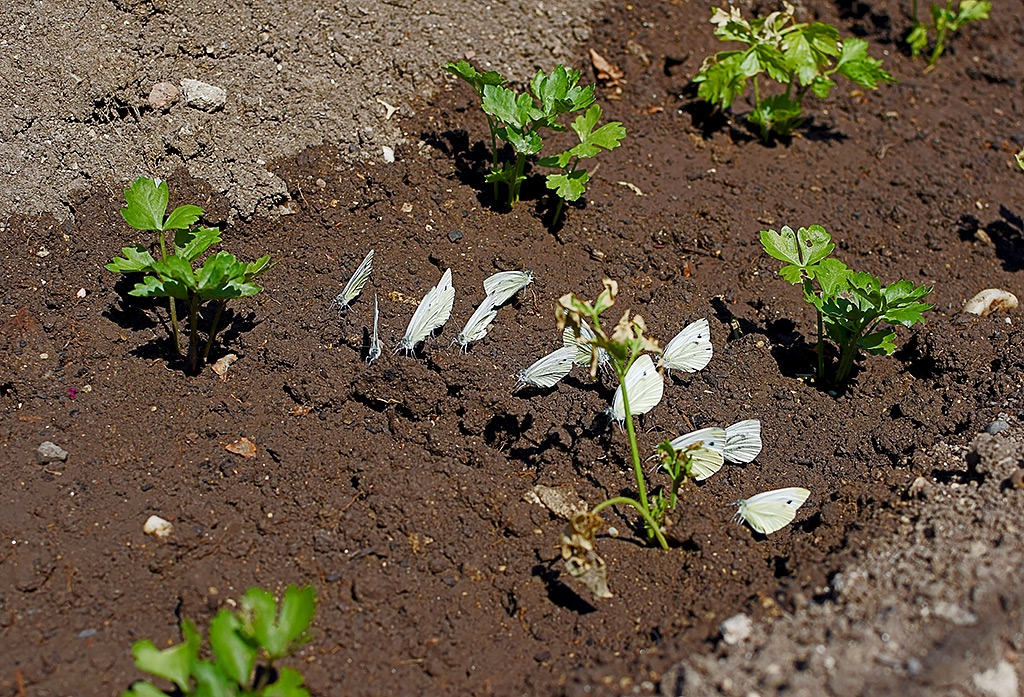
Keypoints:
(173, 307)
(494, 150)
(558, 211)
(648, 520)
(638, 468)
(193, 342)
(821, 349)
(513, 187)
(940, 39)
(213, 329)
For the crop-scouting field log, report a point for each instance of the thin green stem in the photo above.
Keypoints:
(821, 348)
(193, 342)
(494, 150)
(213, 329)
(513, 191)
(173, 306)
(757, 94)
(652, 525)
(638, 468)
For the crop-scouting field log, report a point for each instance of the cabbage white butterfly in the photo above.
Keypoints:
(645, 387)
(433, 312)
(504, 284)
(743, 441)
(374, 352)
(773, 510)
(548, 370)
(690, 350)
(355, 284)
(476, 327)
(707, 459)
(583, 347)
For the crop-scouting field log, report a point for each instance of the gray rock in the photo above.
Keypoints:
(1000, 681)
(202, 95)
(454, 236)
(163, 95)
(48, 452)
(997, 426)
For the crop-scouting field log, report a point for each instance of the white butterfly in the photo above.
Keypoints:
(476, 327)
(548, 370)
(355, 284)
(433, 312)
(690, 350)
(708, 458)
(504, 284)
(772, 510)
(644, 385)
(583, 347)
(742, 441)
(374, 352)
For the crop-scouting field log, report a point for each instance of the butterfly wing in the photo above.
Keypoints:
(706, 459)
(355, 284)
(476, 327)
(645, 387)
(690, 350)
(433, 311)
(374, 352)
(549, 369)
(503, 285)
(772, 510)
(743, 441)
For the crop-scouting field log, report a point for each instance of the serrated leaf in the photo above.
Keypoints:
(135, 259)
(823, 38)
(213, 278)
(561, 160)
(569, 186)
(476, 79)
(822, 87)
(182, 217)
(803, 248)
(917, 39)
(288, 684)
(142, 688)
(855, 64)
(524, 142)
(152, 287)
(501, 103)
(190, 244)
(777, 114)
(212, 682)
(276, 634)
(255, 268)
(176, 269)
(800, 57)
(722, 81)
(506, 173)
(175, 663)
(146, 201)
(971, 10)
(880, 343)
(833, 277)
(235, 656)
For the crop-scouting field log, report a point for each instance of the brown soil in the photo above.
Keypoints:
(397, 487)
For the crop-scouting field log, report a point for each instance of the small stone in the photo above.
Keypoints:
(1000, 681)
(162, 95)
(982, 236)
(921, 488)
(48, 452)
(736, 629)
(454, 236)
(951, 612)
(997, 426)
(990, 300)
(203, 96)
(389, 154)
(158, 527)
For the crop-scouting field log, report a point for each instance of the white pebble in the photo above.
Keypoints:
(157, 527)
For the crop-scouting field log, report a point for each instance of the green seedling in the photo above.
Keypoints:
(259, 630)
(851, 307)
(802, 57)
(945, 22)
(624, 345)
(221, 277)
(519, 118)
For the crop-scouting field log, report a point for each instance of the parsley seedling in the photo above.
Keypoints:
(221, 276)
(802, 57)
(945, 22)
(850, 306)
(519, 119)
(236, 640)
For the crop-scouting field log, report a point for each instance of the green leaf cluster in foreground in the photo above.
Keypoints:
(851, 306)
(237, 640)
(174, 275)
(518, 118)
(802, 57)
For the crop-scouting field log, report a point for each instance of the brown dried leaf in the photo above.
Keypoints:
(222, 365)
(243, 446)
(607, 74)
(563, 501)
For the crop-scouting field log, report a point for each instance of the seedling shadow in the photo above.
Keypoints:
(472, 161)
(558, 592)
(135, 314)
(867, 22)
(1007, 235)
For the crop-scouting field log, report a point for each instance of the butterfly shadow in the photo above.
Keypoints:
(558, 592)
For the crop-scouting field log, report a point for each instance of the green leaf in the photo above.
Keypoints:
(177, 269)
(288, 684)
(504, 174)
(146, 203)
(855, 64)
(255, 268)
(823, 38)
(189, 244)
(917, 39)
(276, 634)
(135, 259)
(142, 688)
(591, 141)
(506, 106)
(778, 114)
(151, 287)
(476, 79)
(175, 663)
(880, 343)
(561, 160)
(218, 272)
(833, 277)
(182, 217)
(524, 142)
(722, 81)
(212, 682)
(803, 248)
(800, 57)
(822, 87)
(969, 11)
(569, 186)
(235, 656)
